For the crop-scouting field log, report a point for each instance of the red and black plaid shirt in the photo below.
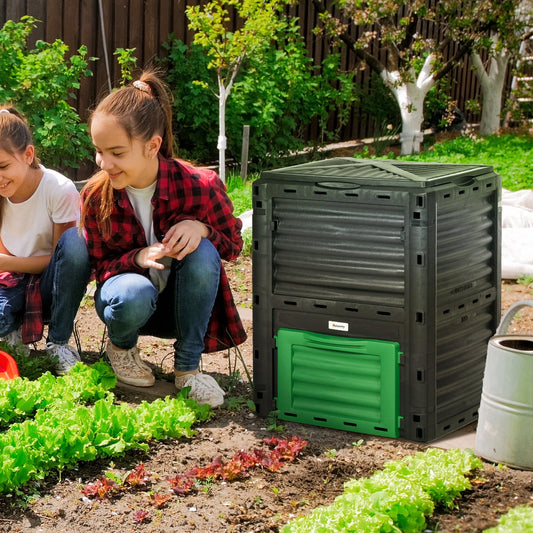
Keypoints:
(183, 192)
(32, 321)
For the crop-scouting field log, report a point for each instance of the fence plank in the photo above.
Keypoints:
(15, 10)
(37, 9)
(88, 37)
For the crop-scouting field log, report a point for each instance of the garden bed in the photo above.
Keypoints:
(263, 500)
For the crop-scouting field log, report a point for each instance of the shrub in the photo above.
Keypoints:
(40, 82)
(195, 106)
(279, 94)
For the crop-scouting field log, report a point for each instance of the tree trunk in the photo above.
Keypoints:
(492, 85)
(410, 97)
(222, 140)
(411, 102)
(223, 94)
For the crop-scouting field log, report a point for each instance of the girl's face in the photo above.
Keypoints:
(15, 174)
(126, 161)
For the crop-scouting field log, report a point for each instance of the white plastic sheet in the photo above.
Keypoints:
(246, 218)
(517, 233)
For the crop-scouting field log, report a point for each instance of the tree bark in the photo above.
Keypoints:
(410, 96)
(222, 140)
(492, 82)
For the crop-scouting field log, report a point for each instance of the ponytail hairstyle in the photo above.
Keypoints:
(143, 109)
(15, 137)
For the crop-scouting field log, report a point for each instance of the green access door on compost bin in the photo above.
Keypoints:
(339, 382)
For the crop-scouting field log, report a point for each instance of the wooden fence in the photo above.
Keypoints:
(105, 25)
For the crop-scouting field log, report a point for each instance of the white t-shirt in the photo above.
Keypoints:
(28, 227)
(141, 200)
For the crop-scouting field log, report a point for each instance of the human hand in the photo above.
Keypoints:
(184, 237)
(147, 257)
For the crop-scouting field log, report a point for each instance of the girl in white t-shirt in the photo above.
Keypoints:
(44, 265)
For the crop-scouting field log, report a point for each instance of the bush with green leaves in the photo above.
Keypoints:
(377, 102)
(279, 94)
(41, 83)
(195, 106)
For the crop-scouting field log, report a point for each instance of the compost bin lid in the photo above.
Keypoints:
(379, 172)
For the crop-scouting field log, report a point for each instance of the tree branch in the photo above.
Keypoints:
(350, 42)
(410, 32)
(452, 63)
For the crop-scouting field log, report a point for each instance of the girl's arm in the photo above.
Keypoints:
(59, 229)
(30, 265)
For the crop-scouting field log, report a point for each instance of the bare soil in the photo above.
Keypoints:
(264, 501)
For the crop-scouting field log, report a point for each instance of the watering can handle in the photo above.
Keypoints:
(510, 314)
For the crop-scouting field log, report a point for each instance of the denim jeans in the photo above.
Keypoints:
(130, 305)
(63, 284)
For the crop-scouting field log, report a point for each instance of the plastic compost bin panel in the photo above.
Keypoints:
(388, 250)
(338, 382)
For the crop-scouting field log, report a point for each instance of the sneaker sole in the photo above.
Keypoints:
(136, 382)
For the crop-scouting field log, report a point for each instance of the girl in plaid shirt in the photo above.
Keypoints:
(157, 229)
(44, 266)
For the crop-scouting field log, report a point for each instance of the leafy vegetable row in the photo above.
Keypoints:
(517, 520)
(65, 433)
(395, 499)
(21, 397)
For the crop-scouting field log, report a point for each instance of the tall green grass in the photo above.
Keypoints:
(240, 192)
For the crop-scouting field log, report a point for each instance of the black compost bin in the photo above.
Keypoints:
(379, 250)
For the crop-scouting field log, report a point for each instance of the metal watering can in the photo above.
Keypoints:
(505, 424)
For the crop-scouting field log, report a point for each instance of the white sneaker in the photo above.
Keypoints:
(67, 356)
(14, 341)
(204, 388)
(128, 366)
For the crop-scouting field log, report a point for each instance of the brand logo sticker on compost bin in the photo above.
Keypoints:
(338, 326)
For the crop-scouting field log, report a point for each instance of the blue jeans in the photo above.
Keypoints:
(63, 284)
(129, 305)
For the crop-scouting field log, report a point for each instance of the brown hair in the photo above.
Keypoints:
(15, 137)
(143, 109)
(15, 134)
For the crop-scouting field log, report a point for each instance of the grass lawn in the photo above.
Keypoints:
(510, 155)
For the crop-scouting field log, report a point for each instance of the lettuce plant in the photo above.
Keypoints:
(517, 520)
(66, 433)
(22, 397)
(395, 499)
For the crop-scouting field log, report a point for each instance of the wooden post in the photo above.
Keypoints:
(244, 153)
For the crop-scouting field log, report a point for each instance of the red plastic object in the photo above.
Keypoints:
(8, 366)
